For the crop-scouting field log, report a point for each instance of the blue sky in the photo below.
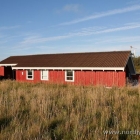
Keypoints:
(50, 26)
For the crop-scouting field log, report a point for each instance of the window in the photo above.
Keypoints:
(44, 74)
(69, 75)
(29, 74)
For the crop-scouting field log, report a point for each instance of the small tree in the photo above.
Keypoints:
(136, 61)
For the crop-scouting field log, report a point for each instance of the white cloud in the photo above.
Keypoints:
(104, 14)
(133, 26)
(132, 2)
(82, 32)
(111, 40)
(71, 7)
(37, 39)
(9, 27)
(118, 39)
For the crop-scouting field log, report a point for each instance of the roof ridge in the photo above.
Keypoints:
(72, 53)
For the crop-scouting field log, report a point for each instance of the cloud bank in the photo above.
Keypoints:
(104, 14)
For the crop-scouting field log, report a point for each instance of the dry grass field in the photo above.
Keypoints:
(65, 112)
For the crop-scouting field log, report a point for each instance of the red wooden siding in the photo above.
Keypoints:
(107, 78)
(1, 71)
(20, 75)
(6, 72)
(57, 76)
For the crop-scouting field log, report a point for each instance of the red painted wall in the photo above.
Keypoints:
(6, 72)
(1, 71)
(107, 78)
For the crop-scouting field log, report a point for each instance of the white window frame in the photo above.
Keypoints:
(41, 75)
(30, 75)
(69, 76)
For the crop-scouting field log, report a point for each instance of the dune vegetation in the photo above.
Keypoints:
(64, 112)
(136, 61)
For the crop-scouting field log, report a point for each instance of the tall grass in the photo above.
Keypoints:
(55, 112)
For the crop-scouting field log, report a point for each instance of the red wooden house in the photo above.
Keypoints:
(93, 68)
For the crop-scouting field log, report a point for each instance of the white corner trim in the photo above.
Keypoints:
(71, 68)
(8, 64)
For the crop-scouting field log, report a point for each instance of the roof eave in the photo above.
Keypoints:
(8, 65)
(71, 68)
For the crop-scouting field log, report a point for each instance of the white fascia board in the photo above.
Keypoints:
(70, 68)
(8, 64)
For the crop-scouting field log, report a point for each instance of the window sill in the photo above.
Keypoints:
(44, 79)
(69, 80)
(29, 79)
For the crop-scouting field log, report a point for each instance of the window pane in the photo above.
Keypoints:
(69, 78)
(30, 76)
(69, 73)
(44, 73)
(29, 72)
(44, 77)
